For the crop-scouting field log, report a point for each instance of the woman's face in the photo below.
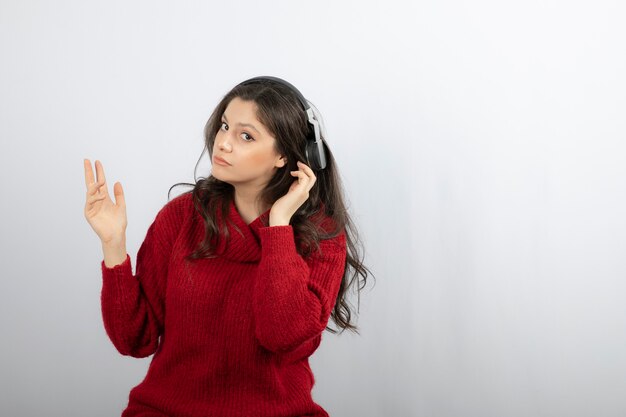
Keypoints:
(246, 146)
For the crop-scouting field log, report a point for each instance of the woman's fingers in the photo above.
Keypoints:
(308, 172)
(92, 186)
(305, 175)
(89, 178)
(88, 173)
(101, 178)
(118, 192)
(93, 199)
(306, 169)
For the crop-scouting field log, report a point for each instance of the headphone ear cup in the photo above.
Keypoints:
(316, 155)
(312, 155)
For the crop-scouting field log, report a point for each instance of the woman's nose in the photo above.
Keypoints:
(224, 143)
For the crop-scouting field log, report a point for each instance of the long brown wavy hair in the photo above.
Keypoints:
(281, 113)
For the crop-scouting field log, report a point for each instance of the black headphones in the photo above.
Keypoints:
(314, 151)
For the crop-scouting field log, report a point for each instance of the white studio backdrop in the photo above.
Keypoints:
(482, 150)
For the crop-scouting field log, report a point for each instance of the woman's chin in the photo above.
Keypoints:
(216, 174)
(221, 178)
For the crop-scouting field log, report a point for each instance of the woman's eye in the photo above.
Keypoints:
(247, 137)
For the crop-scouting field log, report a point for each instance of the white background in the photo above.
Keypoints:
(482, 149)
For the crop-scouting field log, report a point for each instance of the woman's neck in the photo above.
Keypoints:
(248, 205)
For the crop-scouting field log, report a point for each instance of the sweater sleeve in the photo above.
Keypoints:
(293, 297)
(133, 306)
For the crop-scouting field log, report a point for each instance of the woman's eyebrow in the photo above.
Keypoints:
(242, 124)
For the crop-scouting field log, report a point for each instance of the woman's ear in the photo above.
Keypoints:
(281, 162)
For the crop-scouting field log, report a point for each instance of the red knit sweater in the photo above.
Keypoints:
(231, 336)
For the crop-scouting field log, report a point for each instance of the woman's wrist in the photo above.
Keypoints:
(114, 253)
(277, 221)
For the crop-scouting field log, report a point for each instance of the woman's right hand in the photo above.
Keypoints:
(106, 218)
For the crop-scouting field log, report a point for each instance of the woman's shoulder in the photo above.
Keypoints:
(183, 200)
(176, 209)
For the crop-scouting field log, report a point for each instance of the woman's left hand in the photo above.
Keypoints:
(287, 205)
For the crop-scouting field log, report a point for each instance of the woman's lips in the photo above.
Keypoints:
(220, 161)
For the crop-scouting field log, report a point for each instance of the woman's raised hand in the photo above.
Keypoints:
(284, 208)
(106, 218)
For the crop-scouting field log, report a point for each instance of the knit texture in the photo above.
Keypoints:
(232, 335)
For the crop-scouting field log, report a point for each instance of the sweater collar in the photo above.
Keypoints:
(244, 244)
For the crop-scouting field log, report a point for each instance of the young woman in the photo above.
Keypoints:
(236, 279)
